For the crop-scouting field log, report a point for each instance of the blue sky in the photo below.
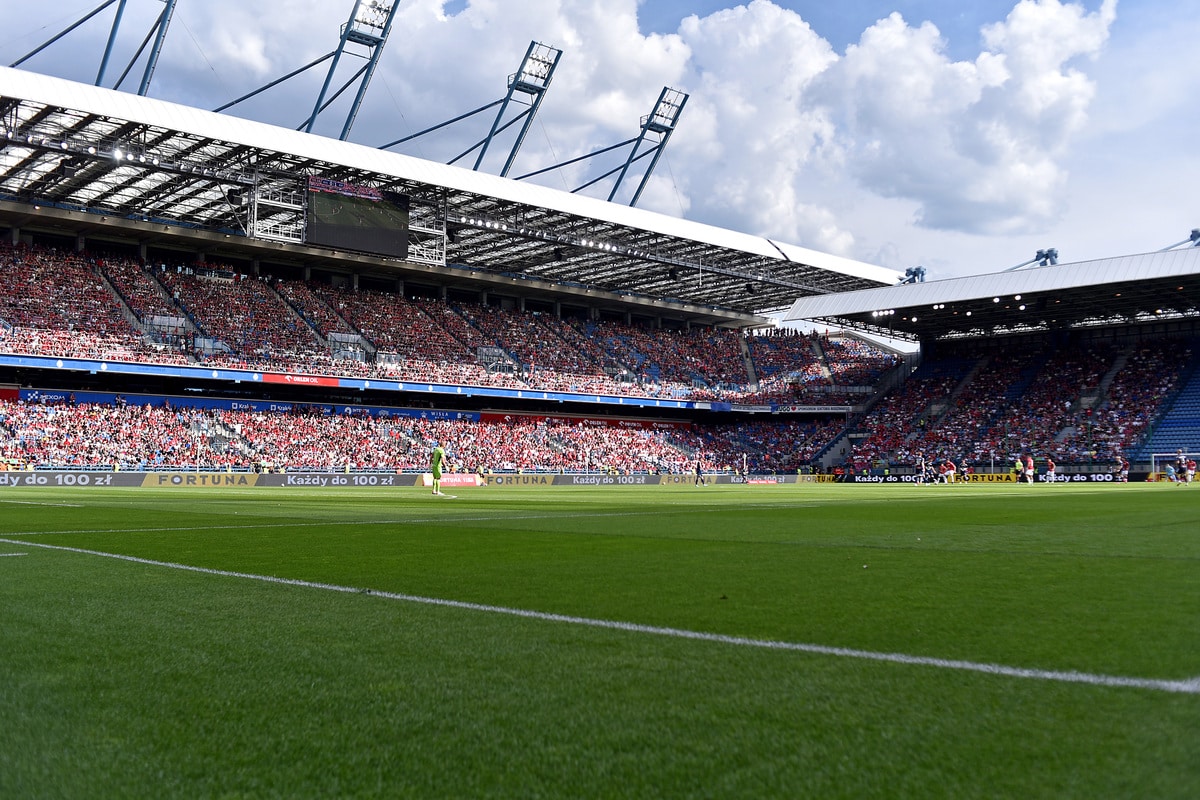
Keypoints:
(961, 136)
(842, 23)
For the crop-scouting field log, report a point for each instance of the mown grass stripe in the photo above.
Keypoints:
(1188, 686)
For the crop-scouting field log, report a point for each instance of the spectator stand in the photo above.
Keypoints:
(1179, 427)
(58, 304)
(882, 435)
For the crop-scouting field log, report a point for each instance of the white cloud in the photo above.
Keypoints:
(977, 145)
(891, 152)
(746, 134)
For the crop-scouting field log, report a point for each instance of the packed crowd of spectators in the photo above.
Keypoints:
(954, 409)
(137, 287)
(148, 437)
(59, 304)
(888, 429)
(853, 362)
(313, 308)
(119, 436)
(1077, 404)
(784, 446)
(815, 368)
(1050, 402)
(959, 431)
(1111, 427)
(218, 315)
(306, 440)
(396, 326)
(244, 313)
(789, 353)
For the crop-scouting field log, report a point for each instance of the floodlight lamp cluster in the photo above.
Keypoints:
(1047, 257)
(120, 154)
(373, 14)
(537, 68)
(116, 151)
(587, 243)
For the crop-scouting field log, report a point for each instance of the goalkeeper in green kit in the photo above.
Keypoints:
(436, 459)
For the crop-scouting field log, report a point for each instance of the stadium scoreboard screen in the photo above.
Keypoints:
(360, 218)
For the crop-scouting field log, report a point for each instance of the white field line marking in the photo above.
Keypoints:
(35, 503)
(5, 555)
(1191, 686)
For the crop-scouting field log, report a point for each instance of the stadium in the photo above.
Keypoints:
(216, 332)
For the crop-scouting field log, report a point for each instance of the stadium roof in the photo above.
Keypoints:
(1151, 287)
(98, 162)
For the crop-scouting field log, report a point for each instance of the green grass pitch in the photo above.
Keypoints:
(1044, 642)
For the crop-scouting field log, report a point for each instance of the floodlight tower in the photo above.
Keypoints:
(158, 32)
(533, 79)
(661, 122)
(1191, 241)
(369, 26)
(1043, 258)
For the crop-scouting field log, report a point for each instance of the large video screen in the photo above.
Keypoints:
(359, 218)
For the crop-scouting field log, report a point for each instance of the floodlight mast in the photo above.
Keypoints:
(1043, 258)
(661, 121)
(112, 37)
(533, 78)
(160, 28)
(158, 31)
(1191, 241)
(369, 25)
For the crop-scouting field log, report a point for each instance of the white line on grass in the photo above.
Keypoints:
(3, 555)
(1191, 686)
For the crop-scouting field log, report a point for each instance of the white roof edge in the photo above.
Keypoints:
(846, 266)
(35, 87)
(1096, 272)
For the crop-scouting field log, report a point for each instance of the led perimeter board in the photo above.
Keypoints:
(359, 218)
